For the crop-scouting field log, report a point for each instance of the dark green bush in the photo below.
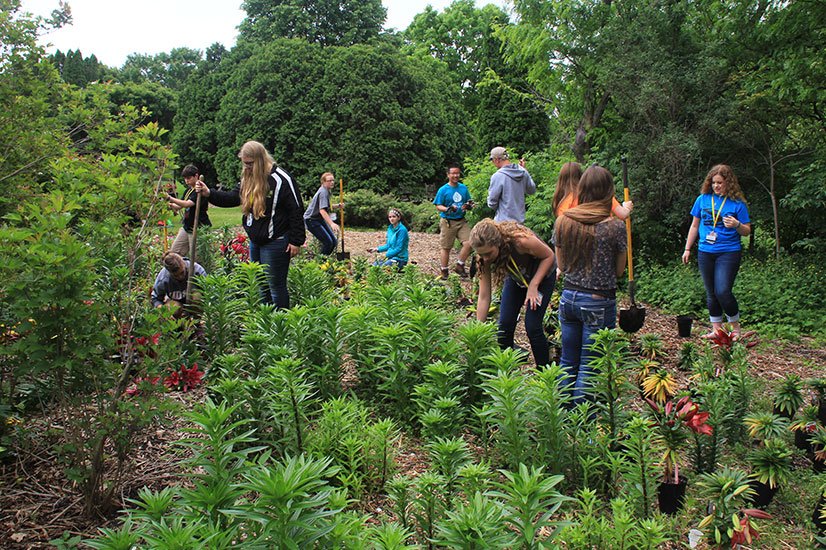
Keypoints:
(784, 298)
(422, 217)
(366, 208)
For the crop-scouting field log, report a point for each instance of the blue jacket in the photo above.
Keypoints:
(396, 245)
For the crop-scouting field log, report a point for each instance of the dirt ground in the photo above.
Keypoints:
(38, 504)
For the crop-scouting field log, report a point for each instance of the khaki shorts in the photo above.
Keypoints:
(181, 243)
(450, 230)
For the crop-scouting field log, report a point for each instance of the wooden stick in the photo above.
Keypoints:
(192, 242)
(341, 210)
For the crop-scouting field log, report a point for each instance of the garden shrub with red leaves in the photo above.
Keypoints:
(184, 379)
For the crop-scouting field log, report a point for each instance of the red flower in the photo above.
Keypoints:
(241, 238)
(162, 222)
(697, 423)
(173, 380)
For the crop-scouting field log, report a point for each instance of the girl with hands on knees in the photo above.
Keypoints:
(511, 254)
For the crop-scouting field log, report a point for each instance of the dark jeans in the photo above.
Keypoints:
(581, 314)
(276, 260)
(512, 300)
(718, 271)
(323, 233)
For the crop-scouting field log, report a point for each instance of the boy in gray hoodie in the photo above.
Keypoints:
(508, 187)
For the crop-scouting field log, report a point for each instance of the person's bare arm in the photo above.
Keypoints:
(483, 300)
(693, 231)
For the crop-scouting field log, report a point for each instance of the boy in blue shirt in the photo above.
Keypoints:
(452, 201)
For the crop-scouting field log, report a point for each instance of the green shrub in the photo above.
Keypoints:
(422, 217)
(366, 208)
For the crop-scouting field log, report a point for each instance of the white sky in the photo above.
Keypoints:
(113, 29)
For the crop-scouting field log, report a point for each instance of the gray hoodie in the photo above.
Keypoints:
(506, 194)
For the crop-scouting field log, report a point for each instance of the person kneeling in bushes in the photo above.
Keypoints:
(169, 289)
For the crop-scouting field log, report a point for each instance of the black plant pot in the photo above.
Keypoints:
(821, 412)
(671, 496)
(782, 412)
(802, 440)
(820, 523)
(763, 494)
(819, 466)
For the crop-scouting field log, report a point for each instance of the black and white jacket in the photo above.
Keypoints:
(284, 213)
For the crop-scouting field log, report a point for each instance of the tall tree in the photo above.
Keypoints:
(324, 22)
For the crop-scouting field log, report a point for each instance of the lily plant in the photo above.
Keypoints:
(674, 421)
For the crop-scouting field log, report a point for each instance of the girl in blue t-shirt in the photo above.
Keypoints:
(721, 218)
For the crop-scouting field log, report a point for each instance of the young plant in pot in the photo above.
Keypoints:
(674, 422)
(819, 517)
(763, 426)
(729, 522)
(818, 440)
(771, 466)
(804, 427)
(789, 396)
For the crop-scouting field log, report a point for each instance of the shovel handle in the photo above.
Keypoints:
(627, 197)
(192, 249)
(341, 210)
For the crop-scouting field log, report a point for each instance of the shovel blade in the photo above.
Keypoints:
(632, 319)
(342, 256)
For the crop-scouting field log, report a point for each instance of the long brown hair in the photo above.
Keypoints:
(254, 184)
(733, 190)
(567, 182)
(576, 228)
(501, 235)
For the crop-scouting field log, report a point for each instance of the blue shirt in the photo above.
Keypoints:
(452, 196)
(728, 239)
(396, 246)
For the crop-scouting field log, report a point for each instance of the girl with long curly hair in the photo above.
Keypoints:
(720, 218)
(272, 216)
(590, 248)
(511, 254)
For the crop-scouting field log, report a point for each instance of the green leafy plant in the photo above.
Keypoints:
(611, 377)
(728, 491)
(639, 470)
(530, 501)
(687, 356)
(510, 411)
(771, 464)
(789, 396)
(651, 345)
(763, 426)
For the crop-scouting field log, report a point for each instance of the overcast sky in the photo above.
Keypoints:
(113, 29)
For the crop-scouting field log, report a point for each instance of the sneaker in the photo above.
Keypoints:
(460, 270)
(445, 273)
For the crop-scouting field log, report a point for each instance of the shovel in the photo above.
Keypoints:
(631, 319)
(192, 242)
(341, 255)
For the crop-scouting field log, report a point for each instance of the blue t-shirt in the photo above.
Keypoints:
(728, 240)
(452, 196)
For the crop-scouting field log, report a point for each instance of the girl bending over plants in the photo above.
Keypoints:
(511, 254)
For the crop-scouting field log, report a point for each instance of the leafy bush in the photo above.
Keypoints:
(422, 217)
(366, 208)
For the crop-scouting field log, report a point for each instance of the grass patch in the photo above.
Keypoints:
(225, 217)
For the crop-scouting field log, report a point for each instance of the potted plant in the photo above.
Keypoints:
(789, 396)
(765, 425)
(804, 427)
(728, 522)
(819, 516)
(674, 421)
(771, 466)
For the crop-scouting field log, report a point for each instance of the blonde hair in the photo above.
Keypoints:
(324, 175)
(254, 184)
(576, 228)
(501, 235)
(733, 190)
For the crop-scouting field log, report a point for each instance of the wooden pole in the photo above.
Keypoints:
(192, 244)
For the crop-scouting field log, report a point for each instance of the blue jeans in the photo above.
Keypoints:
(384, 263)
(276, 260)
(581, 314)
(511, 302)
(719, 270)
(322, 232)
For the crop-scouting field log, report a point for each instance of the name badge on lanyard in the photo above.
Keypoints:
(711, 237)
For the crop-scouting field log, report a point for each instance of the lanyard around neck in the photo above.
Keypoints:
(514, 270)
(715, 217)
